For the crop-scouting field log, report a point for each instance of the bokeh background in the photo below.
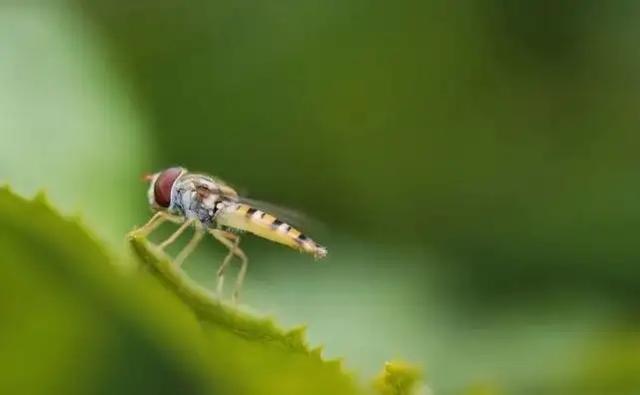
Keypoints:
(472, 166)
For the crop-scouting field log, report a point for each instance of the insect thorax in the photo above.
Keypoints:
(199, 197)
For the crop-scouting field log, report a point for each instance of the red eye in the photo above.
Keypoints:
(164, 183)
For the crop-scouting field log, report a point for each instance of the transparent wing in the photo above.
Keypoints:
(292, 217)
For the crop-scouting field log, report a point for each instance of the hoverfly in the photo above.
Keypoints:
(211, 206)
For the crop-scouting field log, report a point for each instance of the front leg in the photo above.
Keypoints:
(156, 220)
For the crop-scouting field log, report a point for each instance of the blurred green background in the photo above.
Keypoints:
(473, 165)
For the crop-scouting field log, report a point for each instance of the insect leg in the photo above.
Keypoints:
(224, 238)
(173, 218)
(156, 220)
(240, 279)
(176, 234)
(190, 247)
(230, 241)
(227, 259)
(150, 226)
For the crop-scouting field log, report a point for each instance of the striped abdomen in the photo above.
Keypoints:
(244, 217)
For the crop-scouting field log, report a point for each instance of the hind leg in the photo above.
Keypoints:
(227, 260)
(230, 241)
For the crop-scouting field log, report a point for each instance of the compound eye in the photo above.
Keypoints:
(164, 183)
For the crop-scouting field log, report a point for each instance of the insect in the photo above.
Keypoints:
(211, 206)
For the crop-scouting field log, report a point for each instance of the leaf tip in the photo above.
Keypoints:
(297, 335)
(335, 363)
(42, 198)
(316, 352)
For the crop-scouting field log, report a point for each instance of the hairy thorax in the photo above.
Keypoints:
(200, 198)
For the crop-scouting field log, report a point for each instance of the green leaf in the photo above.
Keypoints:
(273, 360)
(210, 309)
(398, 378)
(69, 122)
(72, 321)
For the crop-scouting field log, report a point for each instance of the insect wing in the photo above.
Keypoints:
(285, 214)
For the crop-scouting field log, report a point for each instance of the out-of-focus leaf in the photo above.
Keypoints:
(67, 122)
(70, 323)
(610, 364)
(399, 378)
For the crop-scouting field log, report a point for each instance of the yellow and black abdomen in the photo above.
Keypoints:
(244, 217)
